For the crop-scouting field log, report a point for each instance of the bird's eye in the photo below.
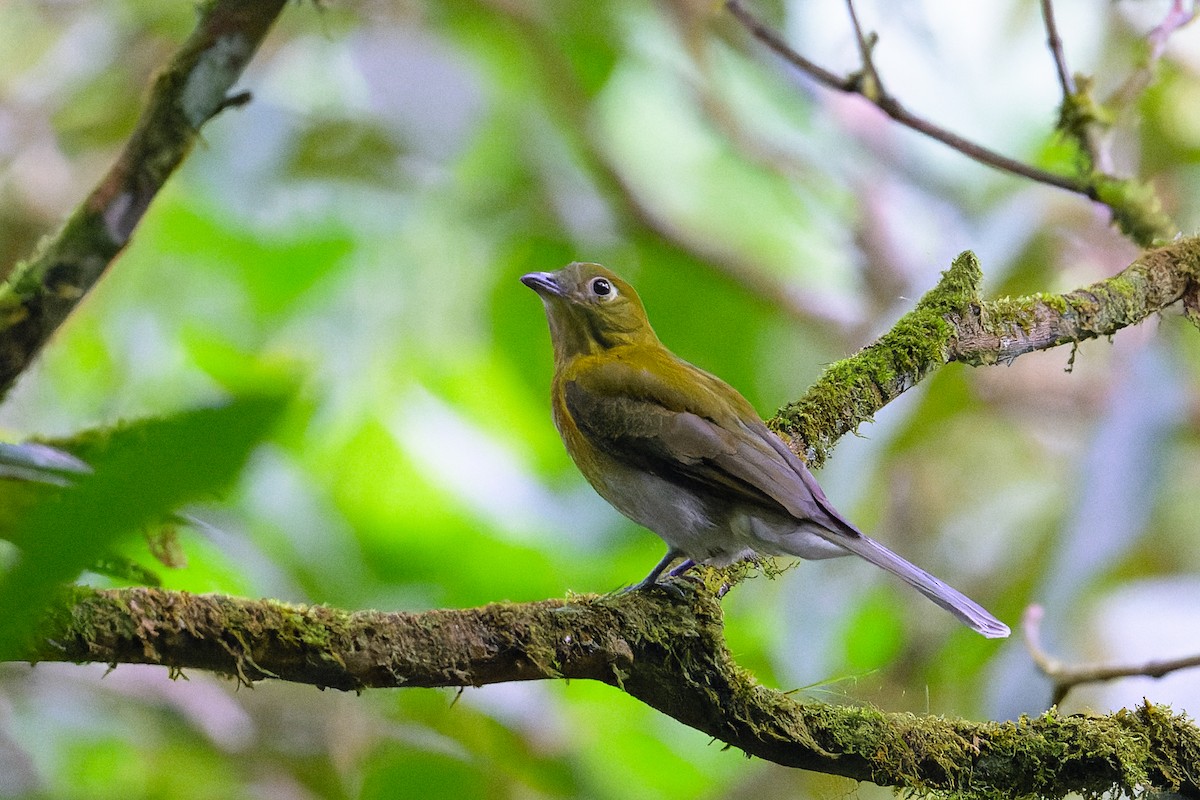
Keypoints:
(601, 287)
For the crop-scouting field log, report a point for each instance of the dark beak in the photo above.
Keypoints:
(543, 283)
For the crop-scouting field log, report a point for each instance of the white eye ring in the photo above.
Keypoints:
(602, 287)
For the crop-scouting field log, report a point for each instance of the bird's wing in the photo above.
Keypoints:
(705, 433)
(709, 435)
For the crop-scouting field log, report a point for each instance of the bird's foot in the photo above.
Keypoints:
(682, 568)
(651, 583)
(671, 587)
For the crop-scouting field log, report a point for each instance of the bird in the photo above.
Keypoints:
(681, 452)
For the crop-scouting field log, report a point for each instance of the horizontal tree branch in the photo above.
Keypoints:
(1065, 677)
(192, 89)
(668, 652)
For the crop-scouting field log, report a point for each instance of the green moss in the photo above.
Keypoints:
(850, 391)
(77, 618)
(1081, 111)
(1055, 302)
(1125, 286)
(677, 662)
(957, 288)
(296, 626)
(1136, 209)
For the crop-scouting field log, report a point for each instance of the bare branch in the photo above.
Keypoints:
(1136, 208)
(1180, 14)
(1065, 677)
(1054, 42)
(871, 86)
(189, 91)
(892, 107)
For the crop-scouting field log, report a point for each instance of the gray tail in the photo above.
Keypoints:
(971, 613)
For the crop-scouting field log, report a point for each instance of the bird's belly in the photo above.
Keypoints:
(783, 535)
(680, 518)
(707, 529)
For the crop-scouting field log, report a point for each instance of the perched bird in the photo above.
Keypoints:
(680, 451)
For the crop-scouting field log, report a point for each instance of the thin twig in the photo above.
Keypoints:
(1064, 677)
(1065, 79)
(1177, 16)
(1084, 129)
(873, 88)
(891, 107)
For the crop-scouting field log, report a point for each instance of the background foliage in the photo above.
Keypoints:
(361, 225)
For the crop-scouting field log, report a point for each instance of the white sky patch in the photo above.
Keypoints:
(491, 478)
(1149, 620)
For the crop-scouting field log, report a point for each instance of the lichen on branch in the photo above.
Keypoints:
(953, 323)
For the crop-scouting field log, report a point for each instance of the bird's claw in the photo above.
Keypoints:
(682, 568)
(671, 588)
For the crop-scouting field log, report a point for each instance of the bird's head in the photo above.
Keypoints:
(590, 309)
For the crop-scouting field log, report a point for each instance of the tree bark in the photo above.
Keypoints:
(668, 652)
(189, 91)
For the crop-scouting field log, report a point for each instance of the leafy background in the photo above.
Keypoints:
(360, 228)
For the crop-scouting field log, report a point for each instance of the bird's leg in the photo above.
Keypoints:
(682, 568)
(652, 579)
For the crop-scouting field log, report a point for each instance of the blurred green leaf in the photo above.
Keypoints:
(345, 150)
(142, 472)
(275, 270)
(406, 774)
(875, 633)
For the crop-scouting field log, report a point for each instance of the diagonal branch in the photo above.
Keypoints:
(953, 323)
(670, 654)
(892, 107)
(189, 91)
(1136, 208)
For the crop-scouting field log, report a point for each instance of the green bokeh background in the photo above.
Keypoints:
(360, 228)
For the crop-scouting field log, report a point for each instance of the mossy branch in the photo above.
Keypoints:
(669, 653)
(953, 323)
(190, 90)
